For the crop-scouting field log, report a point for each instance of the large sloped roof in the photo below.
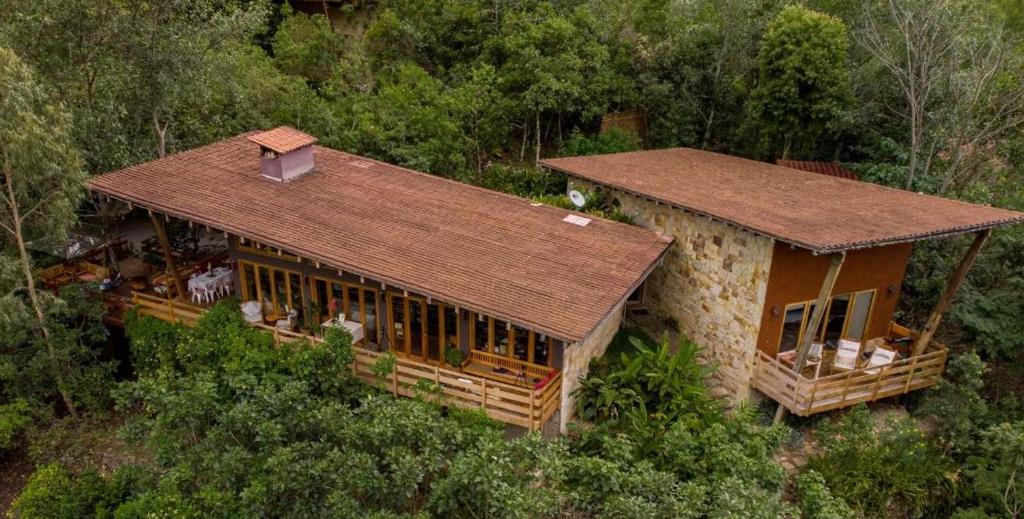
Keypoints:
(485, 251)
(818, 212)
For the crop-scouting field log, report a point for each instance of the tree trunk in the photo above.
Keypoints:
(522, 147)
(33, 296)
(161, 134)
(536, 159)
(915, 144)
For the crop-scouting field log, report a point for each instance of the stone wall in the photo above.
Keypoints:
(576, 360)
(712, 283)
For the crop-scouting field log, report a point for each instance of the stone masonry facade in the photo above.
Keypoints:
(576, 360)
(712, 284)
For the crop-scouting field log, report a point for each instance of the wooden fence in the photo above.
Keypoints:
(803, 396)
(172, 310)
(508, 403)
(514, 365)
(522, 406)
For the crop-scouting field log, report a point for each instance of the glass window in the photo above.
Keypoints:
(263, 275)
(500, 337)
(355, 307)
(836, 318)
(542, 350)
(791, 327)
(859, 315)
(398, 320)
(370, 307)
(281, 291)
(295, 289)
(249, 281)
(521, 344)
(480, 332)
(451, 327)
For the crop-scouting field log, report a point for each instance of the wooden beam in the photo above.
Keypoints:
(815, 322)
(172, 269)
(947, 296)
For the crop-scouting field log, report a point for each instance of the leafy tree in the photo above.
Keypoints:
(307, 46)
(803, 85)
(43, 183)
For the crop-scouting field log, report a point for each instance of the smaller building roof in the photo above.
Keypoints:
(283, 139)
(821, 213)
(832, 169)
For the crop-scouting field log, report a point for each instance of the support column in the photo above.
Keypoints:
(815, 322)
(172, 269)
(947, 296)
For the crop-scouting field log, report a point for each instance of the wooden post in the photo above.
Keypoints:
(532, 394)
(947, 297)
(812, 326)
(170, 309)
(394, 379)
(172, 270)
(483, 394)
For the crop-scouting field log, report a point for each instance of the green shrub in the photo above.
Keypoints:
(894, 469)
(53, 492)
(524, 181)
(816, 502)
(614, 140)
(14, 418)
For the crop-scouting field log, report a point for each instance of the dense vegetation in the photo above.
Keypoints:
(925, 95)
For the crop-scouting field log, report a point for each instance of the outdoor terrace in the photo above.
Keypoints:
(819, 387)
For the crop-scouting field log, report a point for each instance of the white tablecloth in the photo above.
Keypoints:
(356, 329)
(220, 277)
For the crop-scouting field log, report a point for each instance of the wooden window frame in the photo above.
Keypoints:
(278, 308)
(255, 247)
(828, 311)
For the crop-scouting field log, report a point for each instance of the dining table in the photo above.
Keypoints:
(211, 281)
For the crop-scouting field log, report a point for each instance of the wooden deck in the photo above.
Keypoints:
(804, 396)
(511, 403)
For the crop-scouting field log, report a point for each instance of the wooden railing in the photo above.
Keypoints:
(806, 396)
(523, 406)
(514, 365)
(172, 310)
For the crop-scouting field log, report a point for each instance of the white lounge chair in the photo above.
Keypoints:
(846, 355)
(880, 357)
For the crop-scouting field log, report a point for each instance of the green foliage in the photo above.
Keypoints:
(307, 46)
(453, 356)
(611, 141)
(997, 470)
(803, 89)
(15, 417)
(52, 492)
(527, 182)
(816, 502)
(656, 384)
(889, 469)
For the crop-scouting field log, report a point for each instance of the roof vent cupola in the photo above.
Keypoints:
(285, 153)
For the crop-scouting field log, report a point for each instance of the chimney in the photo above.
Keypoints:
(285, 153)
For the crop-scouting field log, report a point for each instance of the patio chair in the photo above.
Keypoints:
(880, 357)
(847, 354)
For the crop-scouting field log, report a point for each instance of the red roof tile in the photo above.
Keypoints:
(283, 139)
(818, 212)
(485, 251)
(832, 169)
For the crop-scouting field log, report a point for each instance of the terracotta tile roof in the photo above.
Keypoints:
(283, 139)
(832, 169)
(485, 251)
(817, 212)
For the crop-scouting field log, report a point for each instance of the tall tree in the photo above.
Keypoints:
(803, 84)
(43, 181)
(913, 40)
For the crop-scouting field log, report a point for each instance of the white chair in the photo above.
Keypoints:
(846, 355)
(288, 322)
(197, 295)
(880, 357)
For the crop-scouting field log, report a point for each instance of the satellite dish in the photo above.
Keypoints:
(577, 198)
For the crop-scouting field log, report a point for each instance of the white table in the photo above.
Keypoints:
(354, 328)
(211, 281)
